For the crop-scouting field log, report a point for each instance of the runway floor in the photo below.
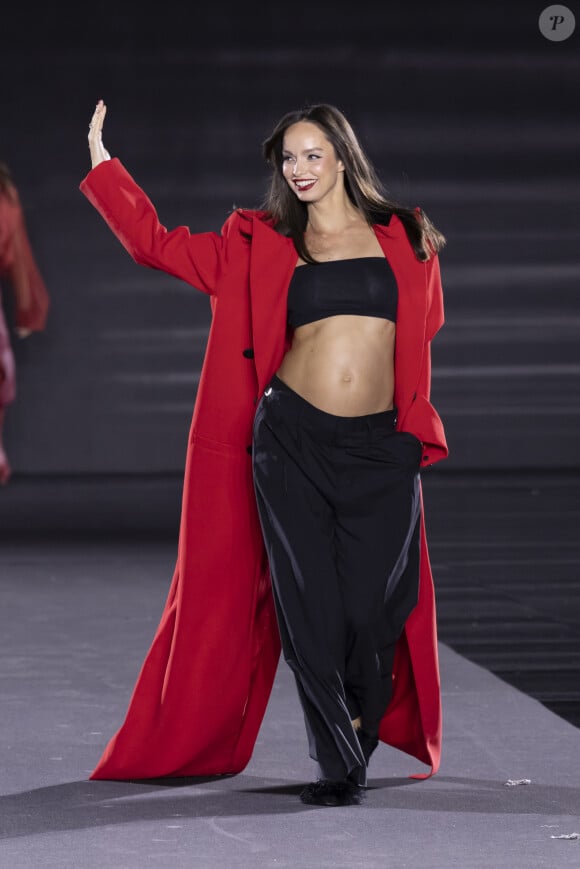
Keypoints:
(84, 569)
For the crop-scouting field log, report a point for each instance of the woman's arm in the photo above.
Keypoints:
(434, 321)
(435, 447)
(195, 258)
(435, 311)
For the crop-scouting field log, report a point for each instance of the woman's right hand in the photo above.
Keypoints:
(96, 147)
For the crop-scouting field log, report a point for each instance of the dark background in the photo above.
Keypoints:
(465, 109)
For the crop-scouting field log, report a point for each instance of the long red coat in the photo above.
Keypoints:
(203, 688)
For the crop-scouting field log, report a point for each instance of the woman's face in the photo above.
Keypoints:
(309, 162)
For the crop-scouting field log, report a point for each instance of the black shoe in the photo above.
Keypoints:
(332, 793)
(368, 743)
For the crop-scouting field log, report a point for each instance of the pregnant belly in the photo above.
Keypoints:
(343, 365)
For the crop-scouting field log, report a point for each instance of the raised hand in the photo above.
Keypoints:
(96, 147)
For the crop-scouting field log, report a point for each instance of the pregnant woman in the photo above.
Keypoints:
(302, 513)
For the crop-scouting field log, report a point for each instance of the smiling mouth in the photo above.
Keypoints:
(305, 185)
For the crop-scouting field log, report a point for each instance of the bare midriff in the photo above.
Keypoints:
(343, 365)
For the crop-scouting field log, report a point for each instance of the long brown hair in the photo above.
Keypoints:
(361, 182)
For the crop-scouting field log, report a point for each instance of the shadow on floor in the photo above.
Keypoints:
(87, 804)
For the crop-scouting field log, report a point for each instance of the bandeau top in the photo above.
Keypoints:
(363, 285)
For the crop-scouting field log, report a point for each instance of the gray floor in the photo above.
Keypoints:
(76, 620)
(504, 546)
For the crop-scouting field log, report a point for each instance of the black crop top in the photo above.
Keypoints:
(364, 286)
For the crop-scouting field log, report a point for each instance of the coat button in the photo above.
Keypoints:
(425, 458)
(248, 353)
(249, 449)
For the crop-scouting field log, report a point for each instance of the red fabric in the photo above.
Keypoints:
(202, 691)
(18, 268)
(7, 367)
(18, 265)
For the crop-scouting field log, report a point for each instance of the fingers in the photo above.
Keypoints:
(95, 137)
(96, 124)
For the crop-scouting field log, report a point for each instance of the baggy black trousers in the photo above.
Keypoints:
(339, 504)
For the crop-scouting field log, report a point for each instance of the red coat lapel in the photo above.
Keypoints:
(272, 261)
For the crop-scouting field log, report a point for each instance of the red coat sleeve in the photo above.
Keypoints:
(435, 319)
(437, 449)
(435, 312)
(195, 258)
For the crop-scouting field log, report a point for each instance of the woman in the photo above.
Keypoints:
(18, 267)
(310, 291)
